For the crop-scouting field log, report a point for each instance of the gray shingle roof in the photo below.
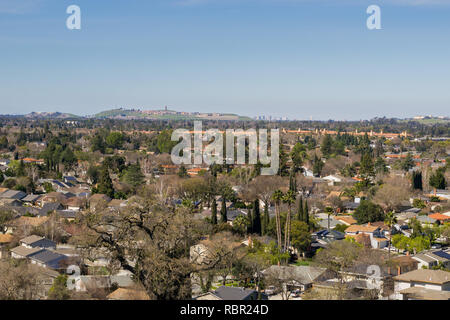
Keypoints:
(31, 198)
(425, 275)
(232, 293)
(49, 207)
(13, 194)
(24, 251)
(31, 239)
(48, 258)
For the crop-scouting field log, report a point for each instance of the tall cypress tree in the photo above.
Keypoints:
(300, 210)
(214, 212)
(306, 213)
(266, 220)
(105, 185)
(292, 181)
(417, 180)
(223, 211)
(256, 218)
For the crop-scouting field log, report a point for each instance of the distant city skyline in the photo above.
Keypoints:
(298, 59)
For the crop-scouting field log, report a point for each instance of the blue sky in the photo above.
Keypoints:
(294, 58)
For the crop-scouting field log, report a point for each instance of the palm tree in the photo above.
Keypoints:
(288, 198)
(390, 220)
(277, 197)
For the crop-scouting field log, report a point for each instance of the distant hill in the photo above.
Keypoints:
(428, 120)
(50, 115)
(165, 115)
(130, 114)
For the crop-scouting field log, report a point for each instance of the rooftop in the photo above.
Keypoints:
(24, 251)
(425, 275)
(31, 239)
(232, 293)
(128, 294)
(361, 228)
(425, 294)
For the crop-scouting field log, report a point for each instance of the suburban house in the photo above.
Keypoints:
(36, 248)
(5, 240)
(441, 217)
(403, 264)
(31, 199)
(48, 259)
(307, 172)
(332, 179)
(347, 220)
(98, 200)
(429, 259)
(70, 180)
(323, 237)
(75, 204)
(22, 252)
(377, 239)
(350, 206)
(52, 197)
(13, 194)
(233, 293)
(128, 294)
(296, 277)
(201, 252)
(422, 284)
(117, 204)
(4, 162)
(359, 279)
(37, 242)
(84, 283)
(49, 208)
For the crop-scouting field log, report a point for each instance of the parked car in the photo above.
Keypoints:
(436, 246)
(270, 290)
(296, 293)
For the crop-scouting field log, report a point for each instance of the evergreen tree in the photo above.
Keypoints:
(317, 165)
(214, 212)
(283, 169)
(367, 166)
(437, 180)
(68, 158)
(266, 220)
(182, 173)
(326, 146)
(408, 162)
(292, 181)
(256, 223)
(380, 166)
(306, 213)
(59, 290)
(223, 211)
(300, 215)
(133, 175)
(20, 171)
(417, 180)
(105, 185)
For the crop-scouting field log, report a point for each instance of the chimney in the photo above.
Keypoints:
(399, 270)
(407, 253)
